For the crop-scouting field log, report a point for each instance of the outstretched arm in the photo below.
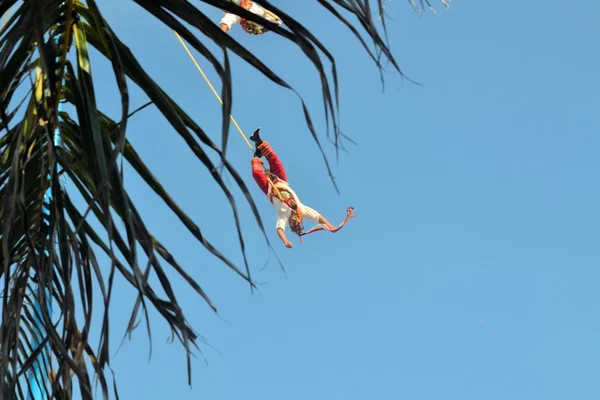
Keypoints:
(324, 224)
(282, 215)
(314, 215)
(349, 215)
(228, 21)
(281, 234)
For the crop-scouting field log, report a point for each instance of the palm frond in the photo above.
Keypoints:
(419, 6)
(50, 268)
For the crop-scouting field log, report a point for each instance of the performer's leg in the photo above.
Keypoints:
(264, 149)
(259, 175)
(275, 164)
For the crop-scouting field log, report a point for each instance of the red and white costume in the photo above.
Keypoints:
(249, 26)
(283, 211)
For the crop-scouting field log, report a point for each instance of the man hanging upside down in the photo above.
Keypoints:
(290, 211)
(250, 27)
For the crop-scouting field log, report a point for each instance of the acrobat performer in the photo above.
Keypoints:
(250, 27)
(288, 208)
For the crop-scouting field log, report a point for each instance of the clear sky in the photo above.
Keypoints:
(472, 270)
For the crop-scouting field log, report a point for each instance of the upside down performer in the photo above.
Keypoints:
(250, 27)
(288, 208)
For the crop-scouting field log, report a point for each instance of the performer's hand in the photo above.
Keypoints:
(350, 213)
(288, 244)
(224, 28)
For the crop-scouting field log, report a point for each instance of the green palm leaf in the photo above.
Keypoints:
(52, 257)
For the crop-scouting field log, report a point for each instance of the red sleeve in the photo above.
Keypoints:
(259, 175)
(275, 164)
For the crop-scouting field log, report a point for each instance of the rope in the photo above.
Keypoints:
(230, 116)
(4, 19)
(214, 91)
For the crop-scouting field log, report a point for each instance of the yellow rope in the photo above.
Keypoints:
(230, 116)
(4, 20)
(213, 90)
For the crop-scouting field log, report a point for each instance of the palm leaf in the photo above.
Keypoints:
(50, 248)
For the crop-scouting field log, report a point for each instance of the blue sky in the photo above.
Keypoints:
(472, 270)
